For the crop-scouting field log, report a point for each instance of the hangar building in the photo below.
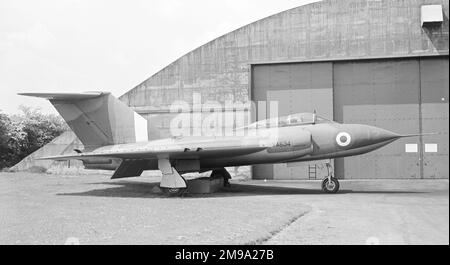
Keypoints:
(382, 63)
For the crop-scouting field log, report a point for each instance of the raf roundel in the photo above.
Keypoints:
(343, 139)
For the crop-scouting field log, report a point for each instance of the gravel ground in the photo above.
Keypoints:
(52, 209)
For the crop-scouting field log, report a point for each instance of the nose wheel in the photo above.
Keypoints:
(330, 184)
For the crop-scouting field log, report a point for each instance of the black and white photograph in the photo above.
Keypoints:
(243, 123)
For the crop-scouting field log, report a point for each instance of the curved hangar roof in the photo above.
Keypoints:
(326, 30)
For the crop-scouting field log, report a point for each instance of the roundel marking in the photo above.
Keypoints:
(343, 139)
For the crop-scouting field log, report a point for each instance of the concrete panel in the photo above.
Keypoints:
(63, 144)
(196, 122)
(292, 76)
(55, 147)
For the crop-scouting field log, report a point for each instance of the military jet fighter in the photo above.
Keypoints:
(116, 138)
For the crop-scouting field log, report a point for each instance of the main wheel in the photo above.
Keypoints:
(173, 192)
(330, 186)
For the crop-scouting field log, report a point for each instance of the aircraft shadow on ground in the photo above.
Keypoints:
(128, 189)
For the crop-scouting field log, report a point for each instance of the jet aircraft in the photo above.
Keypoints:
(116, 138)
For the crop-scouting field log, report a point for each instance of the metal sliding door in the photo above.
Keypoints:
(386, 94)
(301, 87)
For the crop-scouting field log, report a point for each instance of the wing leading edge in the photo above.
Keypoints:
(154, 154)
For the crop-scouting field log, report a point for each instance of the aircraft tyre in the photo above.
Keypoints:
(330, 187)
(174, 192)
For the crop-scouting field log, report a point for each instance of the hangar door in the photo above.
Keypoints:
(402, 95)
(382, 93)
(297, 87)
(434, 82)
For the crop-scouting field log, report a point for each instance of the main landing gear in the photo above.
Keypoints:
(222, 173)
(174, 192)
(172, 183)
(330, 184)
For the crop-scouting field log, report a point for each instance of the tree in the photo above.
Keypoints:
(4, 137)
(22, 134)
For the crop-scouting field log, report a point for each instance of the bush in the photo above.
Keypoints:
(4, 139)
(22, 134)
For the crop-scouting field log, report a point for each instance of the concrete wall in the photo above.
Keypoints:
(326, 30)
(56, 147)
(63, 144)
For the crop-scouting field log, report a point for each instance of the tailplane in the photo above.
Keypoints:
(98, 118)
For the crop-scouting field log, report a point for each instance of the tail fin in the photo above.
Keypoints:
(98, 118)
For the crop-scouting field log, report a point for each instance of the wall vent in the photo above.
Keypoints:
(431, 15)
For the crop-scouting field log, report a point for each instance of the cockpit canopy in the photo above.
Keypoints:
(290, 120)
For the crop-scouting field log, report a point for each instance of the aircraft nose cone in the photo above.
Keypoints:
(358, 135)
(373, 135)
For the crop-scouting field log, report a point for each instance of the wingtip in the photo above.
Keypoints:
(64, 95)
(58, 158)
(23, 94)
(45, 158)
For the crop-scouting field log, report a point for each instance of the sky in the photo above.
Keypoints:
(107, 45)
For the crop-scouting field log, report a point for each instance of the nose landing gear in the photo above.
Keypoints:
(330, 184)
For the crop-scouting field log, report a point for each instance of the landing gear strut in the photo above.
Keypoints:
(174, 192)
(222, 173)
(330, 184)
(172, 183)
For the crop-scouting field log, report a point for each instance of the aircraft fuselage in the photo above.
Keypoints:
(265, 145)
